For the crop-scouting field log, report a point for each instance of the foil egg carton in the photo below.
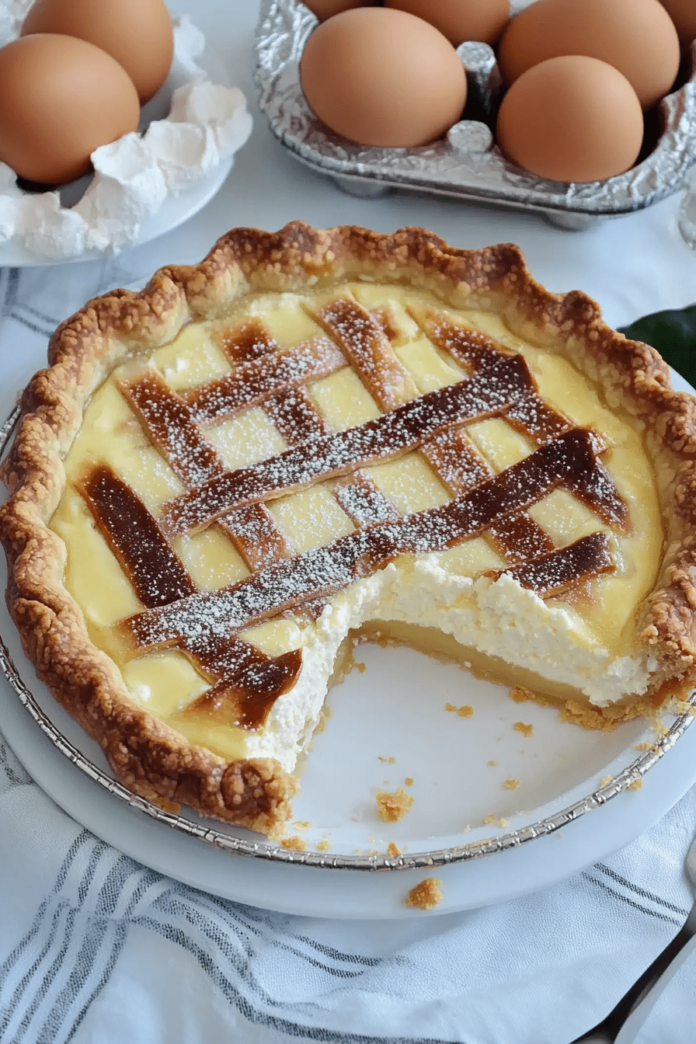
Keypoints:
(465, 164)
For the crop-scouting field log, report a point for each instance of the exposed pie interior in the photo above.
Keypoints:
(317, 433)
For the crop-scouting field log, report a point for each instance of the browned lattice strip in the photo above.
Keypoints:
(454, 460)
(170, 424)
(466, 346)
(564, 567)
(384, 317)
(363, 501)
(295, 416)
(157, 574)
(492, 389)
(252, 529)
(363, 340)
(518, 537)
(323, 571)
(247, 681)
(255, 535)
(253, 382)
(297, 419)
(470, 348)
(250, 680)
(308, 611)
(246, 341)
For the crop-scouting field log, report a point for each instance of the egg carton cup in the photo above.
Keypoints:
(186, 131)
(465, 164)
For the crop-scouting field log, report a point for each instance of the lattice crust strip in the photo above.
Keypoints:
(206, 626)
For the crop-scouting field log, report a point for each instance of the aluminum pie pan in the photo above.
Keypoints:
(466, 164)
(249, 846)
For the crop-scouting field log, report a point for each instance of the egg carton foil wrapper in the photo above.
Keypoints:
(466, 163)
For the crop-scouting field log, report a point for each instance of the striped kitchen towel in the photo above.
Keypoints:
(97, 948)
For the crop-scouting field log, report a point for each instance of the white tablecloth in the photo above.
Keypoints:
(94, 947)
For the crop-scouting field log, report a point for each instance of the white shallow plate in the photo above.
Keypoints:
(394, 708)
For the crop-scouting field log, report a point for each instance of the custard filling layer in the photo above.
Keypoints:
(578, 638)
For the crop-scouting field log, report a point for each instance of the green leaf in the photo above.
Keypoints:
(673, 334)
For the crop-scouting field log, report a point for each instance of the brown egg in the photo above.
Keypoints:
(637, 37)
(460, 20)
(137, 33)
(683, 14)
(324, 9)
(382, 77)
(60, 99)
(571, 118)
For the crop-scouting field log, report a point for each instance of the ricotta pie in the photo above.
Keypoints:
(317, 436)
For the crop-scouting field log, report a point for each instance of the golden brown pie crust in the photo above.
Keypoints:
(152, 759)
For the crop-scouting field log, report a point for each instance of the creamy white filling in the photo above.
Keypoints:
(497, 618)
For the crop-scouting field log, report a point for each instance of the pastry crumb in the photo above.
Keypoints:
(426, 895)
(463, 712)
(393, 850)
(642, 746)
(526, 730)
(393, 807)
(387, 761)
(604, 780)
(511, 784)
(301, 824)
(294, 844)
(324, 845)
(467, 829)
(492, 764)
(518, 694)
(497, 820)
(360, 667)
(637, 784)
(409, 781)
